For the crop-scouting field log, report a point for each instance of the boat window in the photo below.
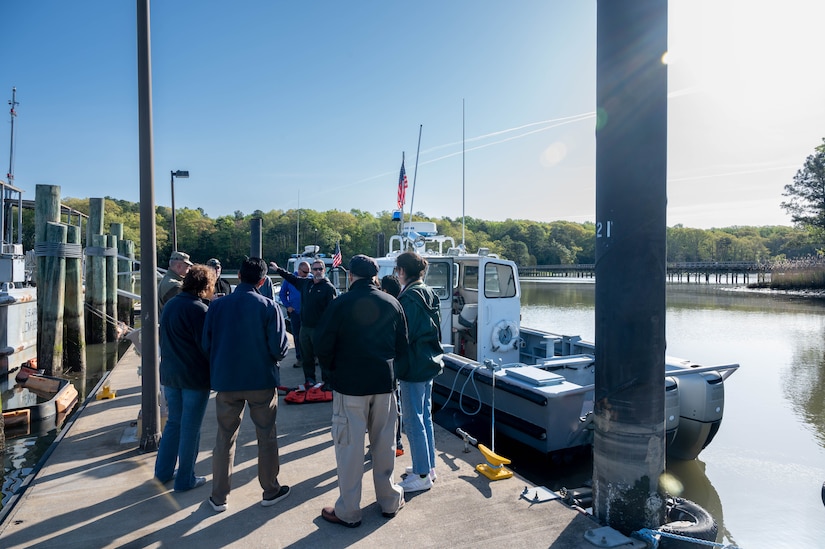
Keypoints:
(439, 279)
(471, 277)
(499, 281)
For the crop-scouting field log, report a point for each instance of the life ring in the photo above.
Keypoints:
(505, 333)
(685, 518)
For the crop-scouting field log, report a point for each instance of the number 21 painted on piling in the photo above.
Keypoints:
(607, 228)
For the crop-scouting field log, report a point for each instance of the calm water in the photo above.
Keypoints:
(23, 453)
(762, 475)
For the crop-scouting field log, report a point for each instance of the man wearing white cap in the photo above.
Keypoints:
(171, 283)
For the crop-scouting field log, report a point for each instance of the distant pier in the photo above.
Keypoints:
(707, 272)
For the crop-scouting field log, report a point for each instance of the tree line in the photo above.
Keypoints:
(284, 232)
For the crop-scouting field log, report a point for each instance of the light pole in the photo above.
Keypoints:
(181, 174)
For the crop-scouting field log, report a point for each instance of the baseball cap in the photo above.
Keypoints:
(180, 256)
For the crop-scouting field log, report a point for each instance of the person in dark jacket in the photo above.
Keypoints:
(417, 368)
(245, 337)
(222, 287)
(390, 285)
(317, 293)
(359, 337)
(291, 300)
(184, 375)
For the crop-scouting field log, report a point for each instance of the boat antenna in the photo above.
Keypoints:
(298, 226)
(13, 113)
(4, 230)
(462, 173)
(415, 172)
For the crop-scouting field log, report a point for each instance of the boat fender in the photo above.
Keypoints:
(686, 518)
(505, 333)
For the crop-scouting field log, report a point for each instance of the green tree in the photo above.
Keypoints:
(806, 194)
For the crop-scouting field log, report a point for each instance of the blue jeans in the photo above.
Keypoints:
(181, 436)
(416, 413)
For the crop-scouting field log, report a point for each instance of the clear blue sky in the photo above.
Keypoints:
(277, 105)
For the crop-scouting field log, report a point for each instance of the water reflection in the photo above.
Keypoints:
(768, 459)
(804, 385)
(24, 449)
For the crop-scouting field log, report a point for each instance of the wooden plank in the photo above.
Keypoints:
(66, 400)
(42, 384)
(17, 418)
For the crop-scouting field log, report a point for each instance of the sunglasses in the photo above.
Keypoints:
(317, 268)
(304, 272)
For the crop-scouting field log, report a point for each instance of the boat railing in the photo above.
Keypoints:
(724, 370)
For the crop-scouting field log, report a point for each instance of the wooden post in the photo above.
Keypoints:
(111, 288)
(96, 290)
(51, 287)
(46, 210)
(75, 334)
(94, 226)
(124, 276)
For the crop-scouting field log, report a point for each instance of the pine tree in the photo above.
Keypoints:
(807, 193)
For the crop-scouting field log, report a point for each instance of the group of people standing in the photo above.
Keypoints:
(370, 346)
(232, 344)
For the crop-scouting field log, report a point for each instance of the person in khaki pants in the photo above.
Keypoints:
(357, 341)
(245, 336)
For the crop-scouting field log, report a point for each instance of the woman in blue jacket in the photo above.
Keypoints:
(184, 375)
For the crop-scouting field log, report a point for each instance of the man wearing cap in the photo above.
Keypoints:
(222, 287)
(171, 283)
(357, 341)
(245, 337)
(317, 292)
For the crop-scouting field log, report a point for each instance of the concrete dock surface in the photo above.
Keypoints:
(97, 490)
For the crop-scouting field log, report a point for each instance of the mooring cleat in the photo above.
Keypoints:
(107, 392)
(494, 468)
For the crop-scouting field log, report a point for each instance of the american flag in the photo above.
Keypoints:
(402, 186)
(336, 257)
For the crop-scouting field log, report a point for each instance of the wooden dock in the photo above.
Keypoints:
(97, 490)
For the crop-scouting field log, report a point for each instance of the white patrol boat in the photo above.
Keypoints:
(544, 382)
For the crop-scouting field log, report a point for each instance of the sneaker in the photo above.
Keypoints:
(392, 515)
(433, 475)
(415, 483)
(199, 481)
(297, 365)
(282, 493)
(216, 507)
(399, 452)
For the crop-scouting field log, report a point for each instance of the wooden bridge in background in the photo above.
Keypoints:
(716, 272)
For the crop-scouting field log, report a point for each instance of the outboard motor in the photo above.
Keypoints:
(701, 403)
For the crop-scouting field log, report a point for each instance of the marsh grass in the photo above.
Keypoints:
(808, 278)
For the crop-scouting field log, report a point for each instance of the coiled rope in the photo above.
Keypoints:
(653, 536)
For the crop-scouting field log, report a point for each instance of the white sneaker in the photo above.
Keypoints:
(218, 508)
(433, 475)
(414, 483)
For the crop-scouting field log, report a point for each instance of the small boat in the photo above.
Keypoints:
(43, 397)
(542, 383)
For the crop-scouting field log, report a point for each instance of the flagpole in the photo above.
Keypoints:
(401, 221)
(415, 173)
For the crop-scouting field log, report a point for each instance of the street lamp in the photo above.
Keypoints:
(180, 174)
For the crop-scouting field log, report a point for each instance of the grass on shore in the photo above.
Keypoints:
(799, 279)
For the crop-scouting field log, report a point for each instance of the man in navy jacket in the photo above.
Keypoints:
(245, 337)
